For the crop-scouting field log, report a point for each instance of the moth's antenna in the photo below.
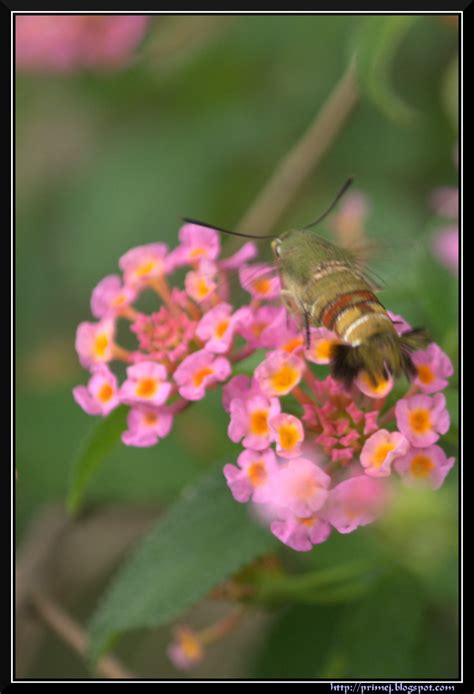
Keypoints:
(332, 205)
(225, 231)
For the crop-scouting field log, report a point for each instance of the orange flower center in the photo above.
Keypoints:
(221, 327)
(200, 375)
(262, 286)
(293, 344)
(289, 436)
(257, 473)
(100, 345)
(380, 385)
(119, 300)
(381, 453)
(421, 466)
(309, 522)
(198, 252)
(105, 393)
(322, 349)
(258, 328)
(425, 373)
(259, 422)
(420, 421)
(284, 379)
(146, 387)
(150, 419)
(202, 288)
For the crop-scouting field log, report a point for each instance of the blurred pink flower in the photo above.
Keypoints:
(62, 43)
(424, 466)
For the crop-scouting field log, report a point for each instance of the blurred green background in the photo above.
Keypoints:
(195, 127)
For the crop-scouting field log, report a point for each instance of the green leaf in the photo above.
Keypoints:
(376, 44)
(338, 583)
(379, 634)
(95, 448)
(204, 538)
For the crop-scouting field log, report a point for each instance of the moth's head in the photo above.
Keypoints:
(281, 244)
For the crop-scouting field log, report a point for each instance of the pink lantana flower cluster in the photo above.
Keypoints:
(179, 349)
(325, 463)
(66, 43)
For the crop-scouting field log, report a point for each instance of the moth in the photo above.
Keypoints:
(326, 286)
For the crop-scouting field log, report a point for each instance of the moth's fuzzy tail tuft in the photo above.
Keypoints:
(382, 355)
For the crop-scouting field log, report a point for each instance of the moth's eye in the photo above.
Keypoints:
(277, 248)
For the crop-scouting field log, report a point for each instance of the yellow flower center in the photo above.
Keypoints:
(284, 379)
(145, 268)
(198, 252)
(420, 421)
(421, 466)
(289, 436)
(100, 345)
(262, 286)
(425, 373)
(221, 328)
(305, 488)
(257, 473)
(200, 375)
(381, 453)
(146, 387)
(259, 422)
(105, 393)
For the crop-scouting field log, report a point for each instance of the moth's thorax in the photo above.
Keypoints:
(301, 252)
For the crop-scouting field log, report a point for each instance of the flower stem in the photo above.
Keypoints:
(295, 167)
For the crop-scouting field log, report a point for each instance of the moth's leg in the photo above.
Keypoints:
(306, 328)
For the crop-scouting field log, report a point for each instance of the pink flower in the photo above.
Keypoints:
(250, 420)
(257, 280)
(251, 478)
(110, 297)
(200, 283)
(380, 390)
(61, 43)
(299, 486)
(322, 341)
(240, 386)
(264, 326)
(348, 222)
(95, 342)
(147, 425)
(428, 465)
(399, 323)
(422, 418)
(301, 533)
(356, 501)
(289, 434)
(187, 650)
(279, 373)
(197, 243)
(146, 384)
(142, 264)
(198, 371)
(434, 368)
(100, 396)
(247, 252)
(165, 335)
(217, 327)
(380, 450)
(446, 247)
